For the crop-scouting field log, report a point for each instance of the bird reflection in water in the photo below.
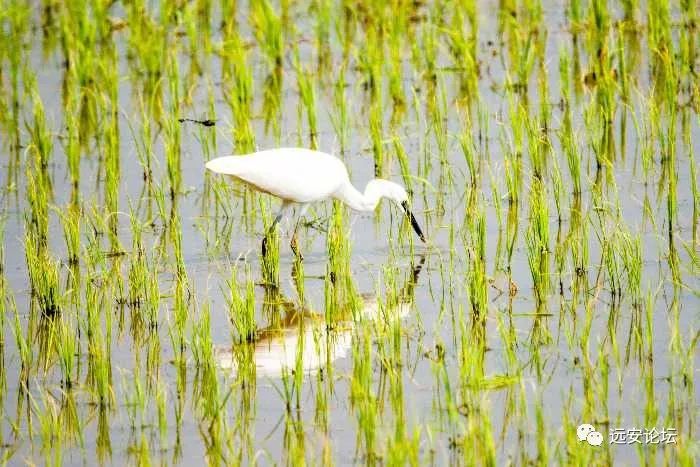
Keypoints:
(302, 336)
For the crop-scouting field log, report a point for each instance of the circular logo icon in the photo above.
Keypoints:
(583, 430)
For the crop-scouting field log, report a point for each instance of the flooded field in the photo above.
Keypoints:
(549, 152)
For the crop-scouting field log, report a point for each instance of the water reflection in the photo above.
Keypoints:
(303, 339)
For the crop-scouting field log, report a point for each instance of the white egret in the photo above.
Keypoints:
(303, 176)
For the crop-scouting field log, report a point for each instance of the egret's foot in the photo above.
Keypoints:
(295, 248)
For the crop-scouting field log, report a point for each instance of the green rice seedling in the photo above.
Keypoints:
(51, 431)
(659, 39)
(208, 138)
(72, 147)
(396, 42)
(294, 445)
(323, 340)
(622, 65)
(522, 51)
(439, 126)
(537, 239)
(323, 12)
(173, 133)
(17, 25)
(376, 131)
(498, 210)
(271, 251)
(345, 28)
(557, 190)
(112, 179)
(341, 293)
(269, 33)
(462, 42)
(179, 407)
(340, 118)
(43, 277)
(362, 397)
(153, 360)
(70, 421)
(476, 439)
(138, 278)
(161, 407)
(214, 427)
(445, 395)
(24, 350)
(66, 350)
(371, 57)
(239, 95)
(143, 142)
(470, 153)
(600, 141)
(512, 229)
(175, 233)
(98, 380)
(631, 253)
(545, 114)
(78, 44)
(307, 97)
(567, 136)
(177, 329)
(38, 215)
(298, 373)
(100, 371)
(207, 390)
(201, 339)
(477, 282)
(139, 452)
(198, 24)
(242, 308)
(229, 23)
(426, 49)
(514, 150)
(149, 41)
(649, 134)
(70, 218)
(287, 393)
(41, 140)
(103, 442)
(299, 282)
(536, 149)
(135, 401)
(611, 258)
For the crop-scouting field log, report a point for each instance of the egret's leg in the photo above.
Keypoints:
(283, 209)
(294, 243)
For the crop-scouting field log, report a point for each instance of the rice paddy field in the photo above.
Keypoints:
(549, 149)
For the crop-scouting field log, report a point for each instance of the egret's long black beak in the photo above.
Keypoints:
(414, 222)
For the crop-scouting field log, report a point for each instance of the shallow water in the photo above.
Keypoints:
(446, 382)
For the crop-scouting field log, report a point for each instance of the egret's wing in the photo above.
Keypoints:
(298, 175)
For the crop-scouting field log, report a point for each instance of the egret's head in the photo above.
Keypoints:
(396, 193)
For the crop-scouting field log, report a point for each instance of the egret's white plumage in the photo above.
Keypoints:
(292, 174)
(298, 175)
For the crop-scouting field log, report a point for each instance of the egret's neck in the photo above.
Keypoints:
(357, 201)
